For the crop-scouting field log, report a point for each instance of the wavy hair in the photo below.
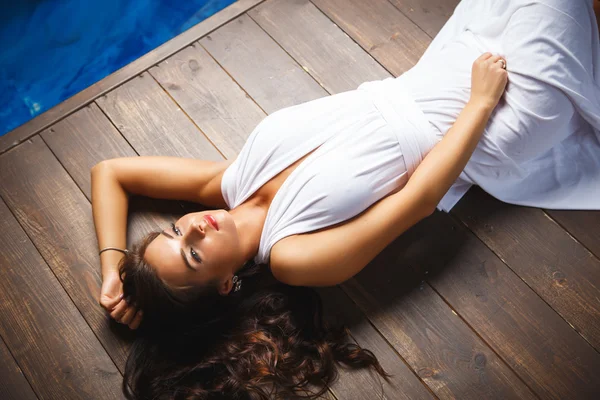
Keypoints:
(265, 341)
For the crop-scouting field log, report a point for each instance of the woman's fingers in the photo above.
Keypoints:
(135, 323)
(484, 56)
(491, 59)
(109, 303)
(128, 316)
(497, 60)
(119, 310)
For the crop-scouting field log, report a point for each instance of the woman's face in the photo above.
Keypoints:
(194, 251)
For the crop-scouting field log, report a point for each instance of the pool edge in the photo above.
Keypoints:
(117, 78)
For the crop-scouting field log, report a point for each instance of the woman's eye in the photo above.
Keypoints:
(195, 255)
(176, 229)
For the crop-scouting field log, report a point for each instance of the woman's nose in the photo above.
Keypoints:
(197, 229)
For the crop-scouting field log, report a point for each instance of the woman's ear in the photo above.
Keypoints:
(225, 287)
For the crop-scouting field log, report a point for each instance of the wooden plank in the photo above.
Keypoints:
(87, 137)
(528, 334)
(564, 273)
(434, 341)
(260, 66)
(81, 99)
(153, 123)
(51, 342)
(362, 384)
(216, 104)
(583, 225)
(327, 53)
(387, 34)
(58, 219)
(13, 385)
(84, 139)
(429, 15)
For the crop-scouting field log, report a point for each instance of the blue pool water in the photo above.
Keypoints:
(52, 49)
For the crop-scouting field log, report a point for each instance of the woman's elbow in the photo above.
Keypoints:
(428, 209)
(99, 167)
(102, 168)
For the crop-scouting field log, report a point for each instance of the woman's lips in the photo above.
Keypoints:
(212, 221)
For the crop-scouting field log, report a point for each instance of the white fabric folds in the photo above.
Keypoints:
(357, 161)
(541, 147)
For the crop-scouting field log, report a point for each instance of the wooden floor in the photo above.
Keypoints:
(489, 301)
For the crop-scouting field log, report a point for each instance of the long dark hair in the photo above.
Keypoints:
(265, 341)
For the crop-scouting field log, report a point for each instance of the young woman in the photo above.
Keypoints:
(319, 189)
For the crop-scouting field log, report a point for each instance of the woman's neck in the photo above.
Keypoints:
(249, 218)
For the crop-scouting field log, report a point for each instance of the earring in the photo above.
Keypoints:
(237, 282)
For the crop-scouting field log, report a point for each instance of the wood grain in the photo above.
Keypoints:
(429, 15)
(81, 99)
(260, 66)
(560, 270)
(216, 104)
(51, 342)
(58, 219)
(153, 123)
(379, 28)
(435, 342)
(13, 385)
(318, 45)
(82, 140)
(366, 384)
(527, 333)
(87, 137)
(583, 225)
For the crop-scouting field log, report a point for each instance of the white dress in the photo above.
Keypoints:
(541, 146)
(358, 160)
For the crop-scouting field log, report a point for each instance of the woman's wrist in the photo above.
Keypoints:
(109, 260)
(483, 106)
(108, 270)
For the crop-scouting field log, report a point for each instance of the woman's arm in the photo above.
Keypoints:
(444, 163)
(331, 256)
(160, 177)
(109, 209)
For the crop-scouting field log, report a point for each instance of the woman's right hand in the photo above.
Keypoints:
(488, 80)
(111, 299)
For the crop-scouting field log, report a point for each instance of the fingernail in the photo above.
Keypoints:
(121, 296)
